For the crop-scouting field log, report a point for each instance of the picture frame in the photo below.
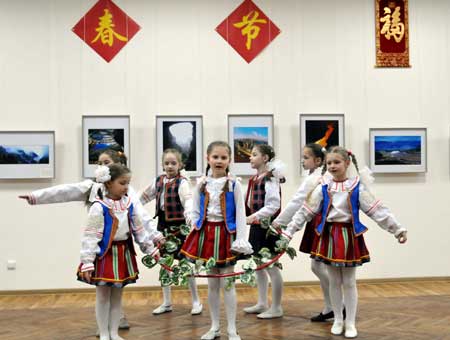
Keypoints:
(27, 154)
(184, 133)
(398, 150)
(100, 133)
(244, 131)
(325, 129)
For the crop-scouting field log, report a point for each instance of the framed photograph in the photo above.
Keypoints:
(27, 154)
(398, 150)
(245, 131)
(184, 133)
(101, 133)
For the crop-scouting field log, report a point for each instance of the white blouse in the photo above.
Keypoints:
(272, 199)
(184, 192)
(86, 190)
(296, 202)
(214, 187)
(93, 232)
(340, 210)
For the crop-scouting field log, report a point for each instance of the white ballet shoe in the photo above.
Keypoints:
(256, 309)
(350, 331)
(123, 324)
(197, 309)
(162, 309)
(337, 328)
(233, 336)
(116, 337)
(271, 314)
(211, 334)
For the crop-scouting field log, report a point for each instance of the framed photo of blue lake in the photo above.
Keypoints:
(27, 154)
(101, 133)
(398, 150)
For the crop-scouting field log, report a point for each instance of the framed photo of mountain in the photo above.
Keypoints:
(185, 134)
(101, 133)
(27, 154)
(244, 132)
(398, 150)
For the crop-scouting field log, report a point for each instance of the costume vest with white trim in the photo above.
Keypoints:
(110, 228)
(173, 209)
(227, 205)
(353, 201)
(257, 189)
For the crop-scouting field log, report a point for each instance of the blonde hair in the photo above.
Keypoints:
(177, 154)
(346, 155)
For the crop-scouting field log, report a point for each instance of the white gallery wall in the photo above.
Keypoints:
(322, 62)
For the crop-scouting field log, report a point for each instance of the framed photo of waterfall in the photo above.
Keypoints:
(399, 150)
(27, 154)
(101, 133)
(185, 134)
(324, 129)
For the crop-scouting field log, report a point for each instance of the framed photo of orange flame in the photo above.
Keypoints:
(324, 129)
(244, 132)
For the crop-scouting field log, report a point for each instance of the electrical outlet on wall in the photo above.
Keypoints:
(11, 265)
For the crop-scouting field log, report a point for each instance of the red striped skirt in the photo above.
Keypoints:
(309, 235)
(212, 240)
(117, 268)
(337, 246)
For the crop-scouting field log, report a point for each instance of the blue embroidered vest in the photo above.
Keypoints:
(227, 205)
(110, 228)
(353, 201)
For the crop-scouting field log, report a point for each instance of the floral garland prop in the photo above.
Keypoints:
(172, 273)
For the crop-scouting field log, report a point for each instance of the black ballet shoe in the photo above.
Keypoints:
(322, 317)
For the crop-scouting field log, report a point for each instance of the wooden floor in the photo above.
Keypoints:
(395, 311)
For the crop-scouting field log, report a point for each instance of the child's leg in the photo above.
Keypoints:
(115, 312)
(335, 277)
(262, 283)
(166, 306)
(196, 304)
(214, 307)
(276, 280)
(102, 308)
(230, 306)
(350, 300)
(123, 320)
(320, 270)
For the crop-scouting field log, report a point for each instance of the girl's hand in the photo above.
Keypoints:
(26, 197)
(87, 276)
(402, 238)
(161, 242)
(156, 255)
(251, 219)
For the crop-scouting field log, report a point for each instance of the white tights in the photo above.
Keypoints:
(320, 270)
(108, 310)
(343, 284)
(214, 285)
(262, 281)
(167, 296)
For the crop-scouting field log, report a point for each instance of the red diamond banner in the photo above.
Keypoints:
(106, 29)
(248, 30)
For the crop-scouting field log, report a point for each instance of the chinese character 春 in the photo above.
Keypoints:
(393, 27)
(249, 28)
(105, 30)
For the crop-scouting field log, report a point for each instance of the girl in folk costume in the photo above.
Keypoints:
(173, 198)
(341, 244)
(219, 232)
(313, 157)
(87, 191)
(263, 200)
(107, 253)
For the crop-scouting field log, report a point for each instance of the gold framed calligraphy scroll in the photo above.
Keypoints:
(392, 33)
